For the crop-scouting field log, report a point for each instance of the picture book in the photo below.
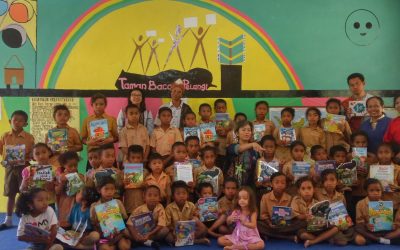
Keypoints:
(109, 217)
(208, 208)
(266, 169)
(211, 176)
(381, 215)
(99, 128)
(333, 123)
(208, 131)
(15, 155)
(71, 237)
(339, 216)
(287, 135)
(384, 173)
(258, 131)
(134, 173)
(347, 173)
(183, 171)
(319, 219)
(58, 140)
(323, 165)
(222, 120)
(35, 231)
(144, 223)
(281, 216)
(361, 154)
(74, 184)
(194, 131)
(358, 108)
(184, 231)
(42, 173)
(300, 169)
(99, 174)
(195, 163)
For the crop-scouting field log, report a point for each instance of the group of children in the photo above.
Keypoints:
(223, 168)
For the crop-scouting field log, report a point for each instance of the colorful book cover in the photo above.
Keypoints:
(383, 173)
(109, 217)
(208, 131)
(134, 173)
(184, 231)
(347, 173)
(281, 216)
(339, 216)
(194, 131)
(183, 171)
(358, 108)
(98, 175)
(300, 169)
(195, 163)
(266, 169)
(15, 155)
(211, 176)
(222, 120)
(71, 237)
(323, 165)
(99, 128)
(208, 208)
(58, 139)
(258, 131)
(381, 215)
(319, 219)
(332, 123)
(74, 184)
(35, 231)
(287, 135)
(144, 223)
(43, 173)
(361, 154)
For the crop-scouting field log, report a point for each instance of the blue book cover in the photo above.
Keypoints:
(99, 128)
(300, 169)
(323, 165)
(194, 131)
(287, 135)
(266, 169)
(381, 215)
(281, 216)
(195, 163)
(208, 208)
(339, 216)
(58, 139)
(109, 217)
(134, 173)
(184, 231)
(144, 223)
(15, 155)
(208, 131)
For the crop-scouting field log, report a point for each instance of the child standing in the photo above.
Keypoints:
(33, 209)
(220, 106)
(283, 149)
(262, 109)
(13, 176)
(245, 234)
(159, 178)
(179, 154)
(313, 134)
(94, 159)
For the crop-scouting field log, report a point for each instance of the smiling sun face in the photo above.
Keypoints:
(362, 27)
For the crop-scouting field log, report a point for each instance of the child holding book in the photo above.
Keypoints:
(205, 113)
(179, 155)
(182, 210)
(65, 195)
(301, 205)
(159, 178)
(94, 159)
(152, 204)
(312, 134)
(13, 167)
(318, 153)
(206, 190)
(33, 210)
(262, 109)
(285, 134)
(118, 239)
(220, 106)
(363, 228)
(134, 133)
(189, 122)
(245, 234)
(226, 204)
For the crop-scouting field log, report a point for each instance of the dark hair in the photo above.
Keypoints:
(290, 110)
(355, 75)
(380, 100)
(94, 150)
(43, 145)
(241, 124)
(358, 133)
(394, 100)
(333, 100)
(207, 148)
(155, 156)
(315, 148)
(335, 149)
(98, 96)
(267, 138)
(386, 144)
(191, 138)
(20, 113)
(303, 179)
(326, 172)
(177, 144)
(142, 107)
(240, 114)
(277, 174)
(203, 185)
(371, 181)
(135, 149)
(204, 105)
(297, 143)
(231, 179)
(179, 184)
(90, 195)
(309, 109)
(60, 107)
(131, 106)
(150, 187)
(162, 109)
(25, 199)
(252, 204)
(106, 147)
(105, 181)
(188, 113)
(65, 157)
(219, 101)
(262, 103)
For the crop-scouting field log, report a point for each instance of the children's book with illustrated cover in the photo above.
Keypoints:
(358, 108)
(15, 155)
(74, 184)
(323, 165)
(347, 173)
(42, 173)
(333, 123)
(211, 176)
(183, 171)
(287, 135)
(99, 128)
(319, 219)
(360, 153)
(134, 173)
(266, 169)
(184, 231)
(32, 230)
(381, 215)
(258, 131)
(109, 217)
(339, 216)
(300, 169)
(281, 216)
(383, 173)
(195, 163)
(222, 120)
(144, 223)
(71, 237)
(208, 208)
(208, 131)
(194, 131)
(58, 140)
